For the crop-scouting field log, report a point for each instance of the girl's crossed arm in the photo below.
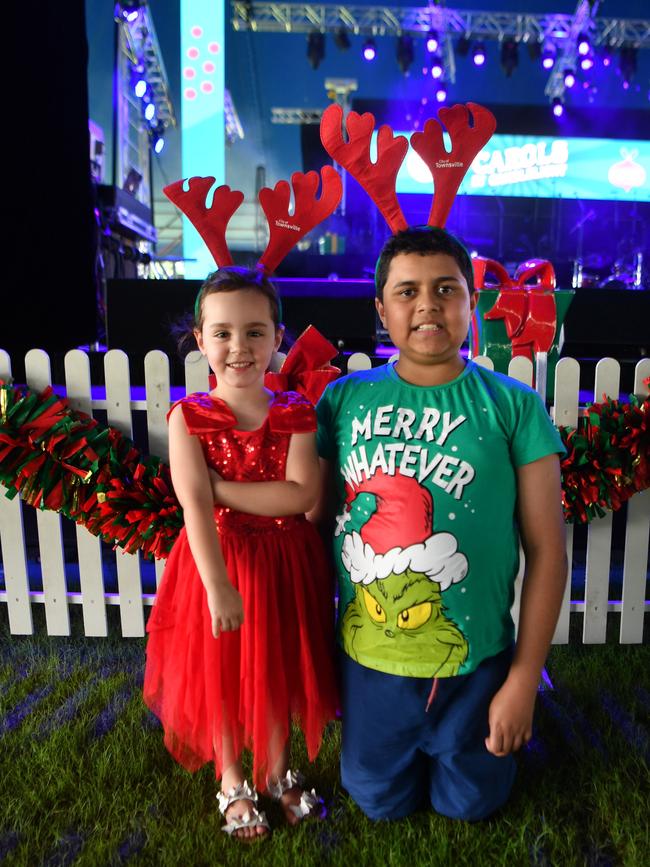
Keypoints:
(192, 486)
(295, 495)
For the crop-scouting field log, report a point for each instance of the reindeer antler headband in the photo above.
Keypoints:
(378, 179)
(285, 229)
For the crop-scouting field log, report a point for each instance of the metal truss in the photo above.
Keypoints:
(388, 20)
(143, 46)
(296, 115)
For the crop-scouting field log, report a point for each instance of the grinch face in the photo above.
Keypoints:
(395, 618)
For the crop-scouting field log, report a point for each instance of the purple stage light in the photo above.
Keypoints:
(140, 87)
(150, 111)
(478, 55)
(441, 93)
(369, 50)
(159, 145)
(584, 45)
(433, 42)
(587, 62)
(569, 78)
(436, 67)
(558, 107)
(549, 53)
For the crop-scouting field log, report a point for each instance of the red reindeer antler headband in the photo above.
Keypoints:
(285, 229)
(378, 179)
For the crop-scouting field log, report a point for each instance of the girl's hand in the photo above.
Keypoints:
(226, 608)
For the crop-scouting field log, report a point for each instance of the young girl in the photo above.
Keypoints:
(240, 637)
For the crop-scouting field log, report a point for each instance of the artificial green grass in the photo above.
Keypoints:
(85, 778)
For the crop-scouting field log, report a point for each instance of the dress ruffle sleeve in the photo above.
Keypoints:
(203, 415)
(292, 413)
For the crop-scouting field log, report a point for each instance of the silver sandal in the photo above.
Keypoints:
(310, 803)
(252, 818)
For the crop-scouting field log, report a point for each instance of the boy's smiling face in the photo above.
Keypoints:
(426, 310)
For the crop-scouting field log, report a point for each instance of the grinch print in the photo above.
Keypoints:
(399, 569)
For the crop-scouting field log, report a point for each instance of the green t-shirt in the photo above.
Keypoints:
(426, 545)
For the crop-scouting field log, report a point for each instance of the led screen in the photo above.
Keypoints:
(546, 167)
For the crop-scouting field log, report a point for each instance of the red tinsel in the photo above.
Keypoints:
(64, 460)
(608, 458)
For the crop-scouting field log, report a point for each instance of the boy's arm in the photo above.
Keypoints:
(293, 496)
(192, 487)
(542, 530)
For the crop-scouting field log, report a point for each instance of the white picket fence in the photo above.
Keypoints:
(119, 404)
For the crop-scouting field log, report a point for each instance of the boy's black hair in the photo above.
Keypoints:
(425, 241)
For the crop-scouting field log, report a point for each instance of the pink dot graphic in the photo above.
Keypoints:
(214, 48)
(207, 86)
(193, 53)
(190, 93)
(197, 32)
(188, 72)
(208, 66)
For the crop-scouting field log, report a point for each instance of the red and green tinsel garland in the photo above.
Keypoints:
(608, 458)
(66, 461)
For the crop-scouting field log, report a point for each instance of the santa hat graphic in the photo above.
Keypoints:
(399, 535)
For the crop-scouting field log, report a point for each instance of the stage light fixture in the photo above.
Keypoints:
(342, 39)
(404, 52)
(150, 111)
(478, 54)
(534, 50)
(586, 62)
(315, 48)
(369, 50)
(159, 144)
(627, 63)
(569, 78)
(509, 56)
(584, 45)
(441, 92)
(128, 11)
(558, 106)
(607, 55)
(462, 46)
(433, 42)
(549, 53)
(140, 87)
(436, 67)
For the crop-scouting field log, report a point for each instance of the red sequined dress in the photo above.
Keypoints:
(216, 696)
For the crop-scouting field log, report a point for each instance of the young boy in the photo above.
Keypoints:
(439, 466)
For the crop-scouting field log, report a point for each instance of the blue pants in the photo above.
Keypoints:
(396, 756)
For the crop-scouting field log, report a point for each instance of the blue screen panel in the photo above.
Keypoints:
(546, 167)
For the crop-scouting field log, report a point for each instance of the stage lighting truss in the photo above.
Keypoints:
(560, 29)
(144, 52)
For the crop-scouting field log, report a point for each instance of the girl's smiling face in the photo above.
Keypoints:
(427, 309)
(238, 336)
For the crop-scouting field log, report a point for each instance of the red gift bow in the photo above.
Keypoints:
(306, 368)
(528, 309)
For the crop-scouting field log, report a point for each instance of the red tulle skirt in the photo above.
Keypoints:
(215, 697)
